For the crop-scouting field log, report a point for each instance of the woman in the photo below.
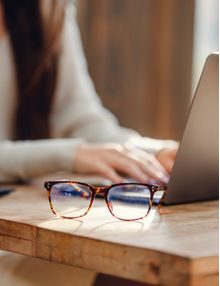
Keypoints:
(50, 116)
(46, 93)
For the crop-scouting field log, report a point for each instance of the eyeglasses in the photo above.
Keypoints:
(128, 201)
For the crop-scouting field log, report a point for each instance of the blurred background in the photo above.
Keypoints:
(145, 57)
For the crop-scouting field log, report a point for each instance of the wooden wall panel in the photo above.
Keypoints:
(140, 57)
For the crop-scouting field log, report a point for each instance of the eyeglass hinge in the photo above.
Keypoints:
(47, 185)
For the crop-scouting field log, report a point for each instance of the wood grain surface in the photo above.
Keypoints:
(139, 55)
(177, 247)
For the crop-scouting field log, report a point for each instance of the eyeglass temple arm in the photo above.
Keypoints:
(162, 199)
(160, 188)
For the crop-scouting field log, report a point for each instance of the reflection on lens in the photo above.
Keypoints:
(158, 196)
(129, 201)
(70, 200)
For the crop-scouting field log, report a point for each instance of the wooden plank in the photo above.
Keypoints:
(179, 247)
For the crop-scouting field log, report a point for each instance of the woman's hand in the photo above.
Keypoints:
(113, 160)
(167, 157)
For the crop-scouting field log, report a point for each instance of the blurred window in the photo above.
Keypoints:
(206, 35)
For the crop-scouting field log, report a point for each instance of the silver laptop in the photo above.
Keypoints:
(195, 172)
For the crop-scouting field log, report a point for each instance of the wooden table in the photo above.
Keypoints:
(179, 247)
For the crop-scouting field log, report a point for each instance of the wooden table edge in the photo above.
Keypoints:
(148, 265)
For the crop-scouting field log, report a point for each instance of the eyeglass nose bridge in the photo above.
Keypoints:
(100, 190)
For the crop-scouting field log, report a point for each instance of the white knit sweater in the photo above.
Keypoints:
(77, 115)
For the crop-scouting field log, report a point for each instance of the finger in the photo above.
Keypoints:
(161, 173)
(110, 174)
(173, 153)
(149, 165)
(151, 159)
(131, 164)
(167, 159)
(129, 167)
(168, 165)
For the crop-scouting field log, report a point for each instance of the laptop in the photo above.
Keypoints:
(195, 175)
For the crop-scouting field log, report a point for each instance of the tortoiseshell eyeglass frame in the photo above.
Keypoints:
(105, 190)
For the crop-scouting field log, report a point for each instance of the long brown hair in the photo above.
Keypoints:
(35, 45)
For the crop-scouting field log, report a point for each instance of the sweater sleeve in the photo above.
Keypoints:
(78, 112)
(27, 159)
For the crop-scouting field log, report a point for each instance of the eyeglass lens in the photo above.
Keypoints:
(70, 200)
(129, 201)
